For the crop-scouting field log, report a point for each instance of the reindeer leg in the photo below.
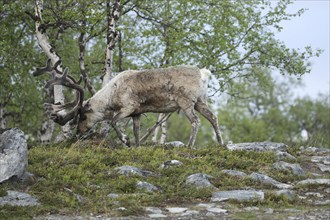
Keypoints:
(123, 137)
(136, 129)
(194, 120)
(202, 108)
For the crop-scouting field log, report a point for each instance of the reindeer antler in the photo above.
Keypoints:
(65, 80)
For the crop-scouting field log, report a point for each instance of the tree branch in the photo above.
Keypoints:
(158, 123)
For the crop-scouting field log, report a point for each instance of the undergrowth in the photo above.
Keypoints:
(76, 178)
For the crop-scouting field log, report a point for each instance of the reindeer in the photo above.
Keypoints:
(134, 92)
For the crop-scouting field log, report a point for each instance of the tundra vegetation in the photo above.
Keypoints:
(235, 40)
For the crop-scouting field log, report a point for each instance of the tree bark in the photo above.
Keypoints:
(51, 54)
(112, 17)
(3, 122)
(86, 79)
(161, 119)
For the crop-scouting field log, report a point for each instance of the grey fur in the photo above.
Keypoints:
(132, 93)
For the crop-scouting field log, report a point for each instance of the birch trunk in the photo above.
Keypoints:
(86, 79)
(3, 123)
(112, 17)
(51, 54)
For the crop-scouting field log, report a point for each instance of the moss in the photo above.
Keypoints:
(74, 178)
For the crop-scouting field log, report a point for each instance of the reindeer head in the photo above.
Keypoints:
(78, 110)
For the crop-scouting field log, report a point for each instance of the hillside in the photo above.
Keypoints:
(83, 179)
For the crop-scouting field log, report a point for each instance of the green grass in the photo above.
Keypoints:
(75, 178)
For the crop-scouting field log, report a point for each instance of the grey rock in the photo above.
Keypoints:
(206, 205)
(171, 163)
(216, 210)
(284, 155)
(240, 195)
(314, 182)
(199, 180)
(146, 186)
(249, 209)
(290, 194)
(321, 159)
(130, 170)
(322, 202)
(174, 144)
(210, 215)
(121, 209)
(269, 211)
(314, 194)
(59, 217)
(175, 210)
(235, 173)
(189, 213)
(113, 195)
(153, 210)
(294, 168)
(157, 215)
(258, 146)
(323, 167)
(15, 198)
(13, 154)
(268, 180)
(317, 150)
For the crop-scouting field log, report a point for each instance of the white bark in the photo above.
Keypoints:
(3, 123)
(51, 54)
(112, 18)
(163, 136)
(161, 125)
(155, 136)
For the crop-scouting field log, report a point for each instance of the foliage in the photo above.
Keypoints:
(228, 37)
(265, 109)
(18, 54)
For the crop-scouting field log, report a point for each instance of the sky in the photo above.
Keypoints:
(311, 29)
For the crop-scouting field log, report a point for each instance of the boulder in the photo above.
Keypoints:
(322, 162)
(314, 182)
(323, 168)
(240, 195)
(268, 180)
(130, 170)
(14, 198)
(258, 146)
(321, 159)
(171, 163)
(13, 154)
(174, 144)
(289, 194)
(200, 180)
(317, 150)
(234, 173)
(284, 155)
(146, 186)
(294, 168)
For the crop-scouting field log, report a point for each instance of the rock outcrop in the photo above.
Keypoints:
(13, 154)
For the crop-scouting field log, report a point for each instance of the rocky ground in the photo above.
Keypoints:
(308, 193)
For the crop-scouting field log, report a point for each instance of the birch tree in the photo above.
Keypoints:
(54, 57)
(112, 18)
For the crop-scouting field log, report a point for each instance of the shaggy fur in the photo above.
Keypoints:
(165, 90)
